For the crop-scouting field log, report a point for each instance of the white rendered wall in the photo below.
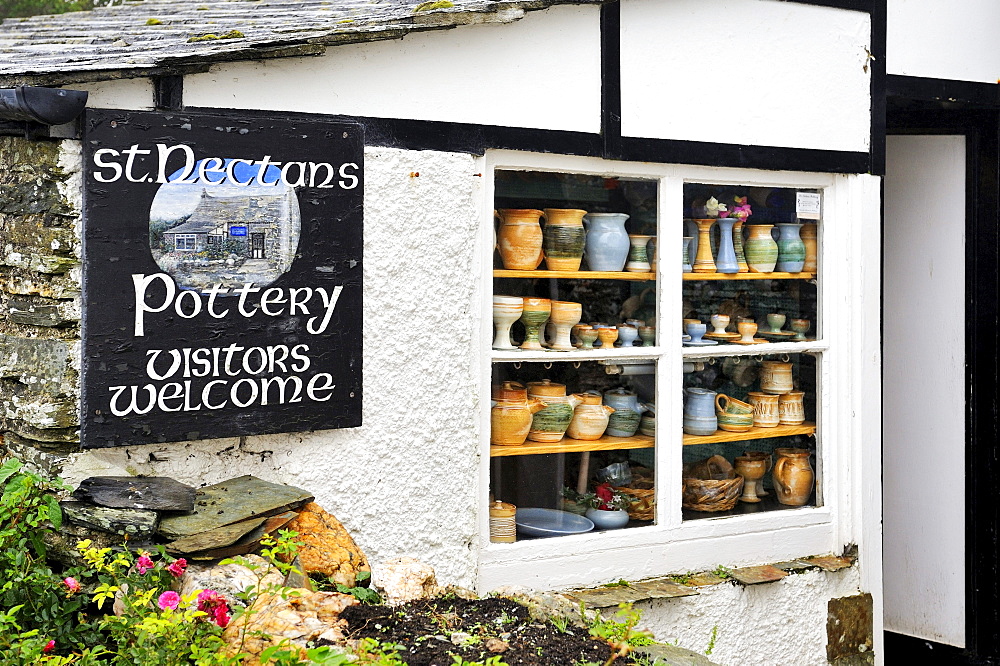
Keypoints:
(118, 94)
(405, 483)
(543, 71)
(924, 388)
(944, 40)
(774, 624)
(754, 72)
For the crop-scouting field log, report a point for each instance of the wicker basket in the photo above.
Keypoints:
(645, 507)
(711, 495)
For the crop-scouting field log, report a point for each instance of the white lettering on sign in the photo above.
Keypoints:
(322, 175)
(274, 302)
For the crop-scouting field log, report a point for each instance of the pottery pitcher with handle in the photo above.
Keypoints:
(793, 476)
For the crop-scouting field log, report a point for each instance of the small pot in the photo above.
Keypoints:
(608, 520)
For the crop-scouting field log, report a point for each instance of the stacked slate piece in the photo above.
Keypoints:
(221, 520)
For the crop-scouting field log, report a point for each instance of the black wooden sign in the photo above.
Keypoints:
(221, 276)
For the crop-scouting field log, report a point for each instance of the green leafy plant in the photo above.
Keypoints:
(620, 632)
(711, 640)
(722, 572)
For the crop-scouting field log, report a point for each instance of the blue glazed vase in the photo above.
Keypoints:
(725, 259)
(791, 249)
(607, 244)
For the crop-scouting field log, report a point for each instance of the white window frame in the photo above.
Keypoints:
(673, 545)
(193, 238)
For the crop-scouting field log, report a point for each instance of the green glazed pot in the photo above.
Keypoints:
(760, 249)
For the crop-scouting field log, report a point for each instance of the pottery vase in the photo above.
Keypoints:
(752, 469)
(776, 320)
(699, 412)
(760, 249)
(535, 314)
(608, 520)
(792, 476)
(766, 457)
(563, 317)
(648, 335)
(563, 238)
(800, 327)
(691, 231)
(808, 235)
(687, 255)
(627, 335)
(520, 238)
(587, 337)
(765, 409)
(791, 249)
(747, 329)
(549, 424)
(607, 244)
(638, 260)
(719, 323)
(776, 377)
(607, 335)
(624, 422)
(791, 410)
(703, 262)
(590, 417)
(741, 259)
(506, 310)
(725, 260)
(511, 414)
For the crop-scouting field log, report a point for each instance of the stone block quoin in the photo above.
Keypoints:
(40, 231)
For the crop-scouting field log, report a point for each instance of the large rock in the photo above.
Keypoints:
(404, 579)
(303, 618)
(131, 492)
(135, 523)
(327, 548)
(230, 580)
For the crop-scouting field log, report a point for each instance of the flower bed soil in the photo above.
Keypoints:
(432, 632)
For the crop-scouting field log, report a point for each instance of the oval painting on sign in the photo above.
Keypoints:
(224, 224)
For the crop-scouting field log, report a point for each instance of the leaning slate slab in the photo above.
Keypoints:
(137, 523)
(249, 542)
(136, 492)
(215, 538)
(232, 501)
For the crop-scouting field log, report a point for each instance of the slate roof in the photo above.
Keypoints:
(151, 37)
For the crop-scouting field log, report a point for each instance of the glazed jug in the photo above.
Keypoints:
(625, 420)
(563, 238)
(549, 424)
(511, 415)
(520, 238)
(699, 412)
(792, 476)
(607, 243)
(760, 249)
(590, 417)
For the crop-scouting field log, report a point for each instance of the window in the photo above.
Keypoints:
(653, 377)
(185, 242)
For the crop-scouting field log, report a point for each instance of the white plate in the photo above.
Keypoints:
(550, 522)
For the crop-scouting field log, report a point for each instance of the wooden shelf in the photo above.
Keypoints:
(748, 276)
(576, 275)
(567, 445)
(631, 354)
(806, 428)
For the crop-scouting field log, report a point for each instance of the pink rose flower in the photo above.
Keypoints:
(168, 600)
(144, 564)
(177, 567)
(221, 615)
(71, 584)
(49, 647)
(214, 604)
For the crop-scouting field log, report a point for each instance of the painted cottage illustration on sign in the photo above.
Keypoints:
(224, 232)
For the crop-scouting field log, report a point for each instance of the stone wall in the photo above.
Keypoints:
(40, 198)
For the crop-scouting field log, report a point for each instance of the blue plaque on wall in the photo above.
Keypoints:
(222, 276)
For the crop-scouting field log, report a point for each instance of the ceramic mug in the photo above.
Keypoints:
(735, 415)
(765, 409)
